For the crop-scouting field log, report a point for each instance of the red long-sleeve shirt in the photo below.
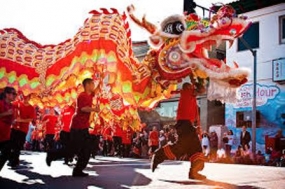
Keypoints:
(187, 106)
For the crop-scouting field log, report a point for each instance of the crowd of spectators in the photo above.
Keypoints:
(145, 142)
(243, 154)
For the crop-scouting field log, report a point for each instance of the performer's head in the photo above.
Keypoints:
(88, 85)
(52, 111)
(9, 94)
(27, 98)
(186, 86)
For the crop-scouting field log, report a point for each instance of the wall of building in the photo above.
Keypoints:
(269, 46)
(168, 109)
(270, 95)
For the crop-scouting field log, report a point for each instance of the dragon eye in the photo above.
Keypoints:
(174, 28)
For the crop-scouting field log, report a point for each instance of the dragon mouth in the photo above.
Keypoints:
(184, 59)
(197, 58)
(224, 80)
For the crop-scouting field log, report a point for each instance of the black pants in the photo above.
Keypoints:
(5, 148)
(49, 141)
(64, 138)
(127, 150)
(18, 139)
(153, 148)
(188, 141)
(36, 145)
(79, 145)
(94, 144)
(118, 145)
(64, 141)
(107, 147)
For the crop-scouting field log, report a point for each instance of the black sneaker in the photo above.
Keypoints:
(157, 158)
(198, 165)
(79, 174)
(9, 164)
(153, 164)
(196, 176)
(15, 166)
(48, 160)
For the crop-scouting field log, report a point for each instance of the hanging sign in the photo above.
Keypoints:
(278, 71)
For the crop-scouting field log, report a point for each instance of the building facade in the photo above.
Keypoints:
(267, 36)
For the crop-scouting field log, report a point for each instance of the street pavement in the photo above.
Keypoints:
(116, 173)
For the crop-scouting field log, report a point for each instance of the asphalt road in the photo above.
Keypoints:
(115, 173)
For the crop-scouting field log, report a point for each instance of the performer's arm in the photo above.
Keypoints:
(45, 120)
(86, 106)
(198, 90)
(7, 113)
(28, 120)
(176, 92)
(90, 109)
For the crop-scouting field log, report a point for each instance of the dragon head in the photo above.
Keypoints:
(182, 43)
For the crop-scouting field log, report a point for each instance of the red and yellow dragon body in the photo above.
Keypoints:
(102, 50)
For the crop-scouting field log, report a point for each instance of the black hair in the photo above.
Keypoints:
(86, 81)
(6, 90)
(185, 85)
(231, 132)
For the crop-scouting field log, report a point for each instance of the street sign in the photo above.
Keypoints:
(278, 71)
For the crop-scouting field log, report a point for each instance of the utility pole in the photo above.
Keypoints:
(253, 123)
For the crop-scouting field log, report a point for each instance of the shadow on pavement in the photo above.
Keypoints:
(24, 152)
(39, 181)
(115, 174)
(216, 184)
(109, 175)
(23, 165)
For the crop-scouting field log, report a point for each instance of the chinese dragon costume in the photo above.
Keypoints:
(102, 50)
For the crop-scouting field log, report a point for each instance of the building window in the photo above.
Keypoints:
(251, 36)
(245, 118)
(282, 29)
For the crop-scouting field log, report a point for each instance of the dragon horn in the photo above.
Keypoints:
(151, 28)
(236, 65)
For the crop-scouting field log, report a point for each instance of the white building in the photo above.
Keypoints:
(267, 36)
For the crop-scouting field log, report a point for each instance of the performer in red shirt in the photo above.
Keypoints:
(66, 117)
(25, 114)
(127, 141)
(107, 140)
(153, 140)
(117, 139)
(188, 140)
(35, 140)
(50, 122)
(95, 134)
(6, 118)
(79, 135)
